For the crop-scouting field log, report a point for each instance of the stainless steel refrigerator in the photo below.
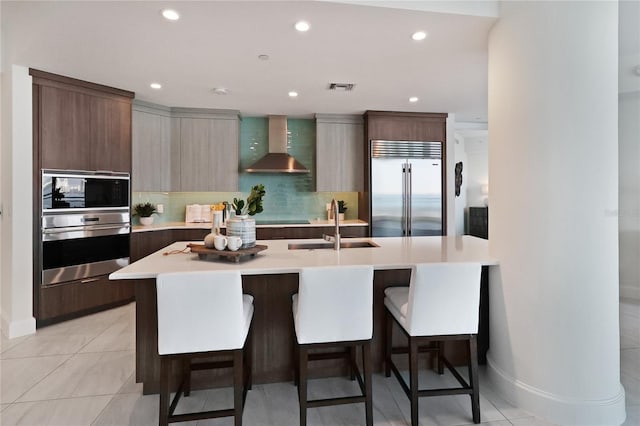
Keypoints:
(406, 188)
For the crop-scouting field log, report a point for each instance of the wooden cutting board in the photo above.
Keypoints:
(205, 253)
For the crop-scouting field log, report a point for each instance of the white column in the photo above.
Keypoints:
(553, 171)
(17, 207)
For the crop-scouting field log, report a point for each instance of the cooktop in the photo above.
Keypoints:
(282, 222)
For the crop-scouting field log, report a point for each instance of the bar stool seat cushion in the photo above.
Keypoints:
(321, 317)
(443, 299)
(396, 301)
(215, 316)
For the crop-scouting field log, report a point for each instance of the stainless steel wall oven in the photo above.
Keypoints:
(86, 225)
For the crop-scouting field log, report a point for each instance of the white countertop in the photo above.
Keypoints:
(207, 225)
(393, 253)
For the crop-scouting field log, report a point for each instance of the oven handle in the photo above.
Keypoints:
(53, 231)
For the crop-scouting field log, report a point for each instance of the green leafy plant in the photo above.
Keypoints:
(144, 209)
(254, 202)
(342, 206)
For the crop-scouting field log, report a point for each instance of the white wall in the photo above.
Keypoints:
(553, 94)
(16, 174)
(477, 152)
(461, 200)
(450, 175)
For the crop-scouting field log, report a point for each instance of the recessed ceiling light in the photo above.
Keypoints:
(419, 35)
(170, 14)
(221, 91)
(156, 86)
(413, 99)
(293, 94)
(263, 57)
(302, 26)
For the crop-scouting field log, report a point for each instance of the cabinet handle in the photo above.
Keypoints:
(88, 280)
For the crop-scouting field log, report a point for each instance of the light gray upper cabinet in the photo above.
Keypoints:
(151, 147)
(184, 149)
(339, 153)
(209, 149)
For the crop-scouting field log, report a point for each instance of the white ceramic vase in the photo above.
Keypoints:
(146, 221)
(243, 227)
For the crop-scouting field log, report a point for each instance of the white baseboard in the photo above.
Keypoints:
(630, 292)
(13, 329)
(557, 409)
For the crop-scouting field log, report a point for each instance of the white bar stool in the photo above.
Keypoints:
(441, 303)
(334, 308)
(201, 314)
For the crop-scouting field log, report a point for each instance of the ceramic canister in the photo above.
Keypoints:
(243, 227)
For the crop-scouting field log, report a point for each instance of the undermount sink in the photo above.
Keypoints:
(329, 245)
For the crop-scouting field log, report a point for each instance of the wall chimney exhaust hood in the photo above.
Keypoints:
(277, 160)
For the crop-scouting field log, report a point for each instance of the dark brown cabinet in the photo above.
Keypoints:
(403, 126)
(479, 222)
(110, 147)
(81, 125)
(304, 232)
(77, 125)
(64, 128)
(80, 297)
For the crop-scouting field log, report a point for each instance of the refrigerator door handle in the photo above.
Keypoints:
(403, 220)
(409, 198)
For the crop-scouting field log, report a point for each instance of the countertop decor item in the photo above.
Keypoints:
(254, 202)
(241, 225)
(205, 253)
(244, 227)
(144, 212)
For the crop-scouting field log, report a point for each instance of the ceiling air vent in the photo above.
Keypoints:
(345, 87)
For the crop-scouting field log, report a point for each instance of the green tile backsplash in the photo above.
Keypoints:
(289, 196)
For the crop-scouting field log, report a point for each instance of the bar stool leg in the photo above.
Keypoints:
(368, 385)
(473, 378)
(186, 371)
(413, 379)
(352, 362)
(165, 369)
(302, 385)
(388, 337)
(440, 357)
(248, 363)
(238, 386)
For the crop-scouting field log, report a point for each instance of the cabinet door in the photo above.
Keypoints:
(79, 297)
(151, 152)
(208, 154)
(145, 243)
(224, 153)
(64, 128)
(340, 154)
(195, 154)
(110, 135)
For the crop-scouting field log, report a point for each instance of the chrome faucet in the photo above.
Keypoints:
(335, 238)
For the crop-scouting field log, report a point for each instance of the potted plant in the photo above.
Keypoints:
(342, 208)
(242, 225)
(144, 212)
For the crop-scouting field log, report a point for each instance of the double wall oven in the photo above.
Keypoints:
(86, 225)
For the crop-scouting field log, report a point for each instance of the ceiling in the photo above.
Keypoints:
(128, 45)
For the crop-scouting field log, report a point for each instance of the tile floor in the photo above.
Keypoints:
(81, 372)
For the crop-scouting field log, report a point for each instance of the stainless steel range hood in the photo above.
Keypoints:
(277, 160)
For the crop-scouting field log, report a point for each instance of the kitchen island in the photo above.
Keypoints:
(272, 278)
